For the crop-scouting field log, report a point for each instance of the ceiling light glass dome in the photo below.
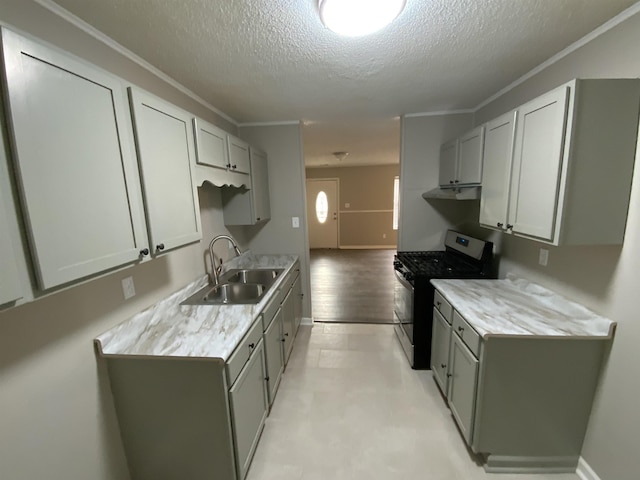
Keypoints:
(358, 17)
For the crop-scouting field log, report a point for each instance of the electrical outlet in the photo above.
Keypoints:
(128, 288)
(384, 235)
(295, 222)
(347, 205)
(543, 258)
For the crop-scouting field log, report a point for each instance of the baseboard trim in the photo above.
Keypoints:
(517, 464)
(585, 472)
(306, 321)
(367, 247)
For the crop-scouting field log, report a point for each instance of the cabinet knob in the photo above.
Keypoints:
(451, 182)
(234, 166)
(266, 378)
(286, 334)
(144, 252)
(449, 375)
(283, 340)
(438, 304)
(499, 224)
(443, 365)
(461, 329)
(252, 346)
(258, 219)
(457, 181)
(160, 247)
(228, 165)
(509, 226)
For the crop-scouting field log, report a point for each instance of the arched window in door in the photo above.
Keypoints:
(322, 207)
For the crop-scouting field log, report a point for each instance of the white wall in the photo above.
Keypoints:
(283, 145)
(57, 420)
(603, 278)
(423, 223)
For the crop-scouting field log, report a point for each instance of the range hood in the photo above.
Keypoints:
(459, 193)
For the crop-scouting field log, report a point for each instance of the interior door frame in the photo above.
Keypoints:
(325, 179)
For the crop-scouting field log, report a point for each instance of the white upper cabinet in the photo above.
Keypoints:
(222, 159)
(584, 133)
(537, 164)
(75, 163)
(239, 160)
(470, 157)
(248, 207)
(166, 153)
(211, 145)
(448, 163)
(496, 177)
(461, 160)
(572, 164)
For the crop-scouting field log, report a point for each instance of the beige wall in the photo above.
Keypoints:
(57, 419)
(604, 278)
(368, 221)
(423, 223)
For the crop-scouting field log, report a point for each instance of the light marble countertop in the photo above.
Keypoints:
(168, 329)
(515, 306)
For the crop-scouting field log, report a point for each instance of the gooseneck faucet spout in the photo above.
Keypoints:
(214, 270)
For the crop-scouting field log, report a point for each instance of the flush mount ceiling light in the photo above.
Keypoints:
(358, 17)
(340, 155)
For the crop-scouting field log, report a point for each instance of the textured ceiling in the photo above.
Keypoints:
(273, 60)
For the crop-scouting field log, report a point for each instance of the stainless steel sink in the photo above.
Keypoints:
(237, 287)
(227, 294)
(265, 277)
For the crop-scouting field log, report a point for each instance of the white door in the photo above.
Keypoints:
(322, 213)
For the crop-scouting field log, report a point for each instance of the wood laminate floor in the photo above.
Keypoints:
(352, 286)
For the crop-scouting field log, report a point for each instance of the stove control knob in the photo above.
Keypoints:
(397, 263)
(408, 276)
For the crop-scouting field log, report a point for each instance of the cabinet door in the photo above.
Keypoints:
(248, 401)
(448, 163)
(288, 319)
(496, 170)
(10, 288)
(274, 352)
(75, 163)
(260, 186)
(238, 155)
(470, 157)
(297, 304)
(537, 164)
(166, 153)
(440, 350)
(462, 386)
(211, 145)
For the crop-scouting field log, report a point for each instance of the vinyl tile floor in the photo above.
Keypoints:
(349, 407)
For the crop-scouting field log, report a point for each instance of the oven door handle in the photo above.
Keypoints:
(403, 281)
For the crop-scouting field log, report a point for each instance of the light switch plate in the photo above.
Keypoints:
(543, 258)
(295, 222)
(128, 288)
(347, 205)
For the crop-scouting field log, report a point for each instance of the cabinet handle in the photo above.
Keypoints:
(509, 226)
(144, 252)
(160, 247)
(500, 224)
(252, 346)
(461, 329)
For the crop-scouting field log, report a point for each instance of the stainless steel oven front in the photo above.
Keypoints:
(403, 301)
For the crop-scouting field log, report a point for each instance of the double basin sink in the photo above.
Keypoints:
(236, 287)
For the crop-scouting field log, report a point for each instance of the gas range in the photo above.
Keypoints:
(463, 257)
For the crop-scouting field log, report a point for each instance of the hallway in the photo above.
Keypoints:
(352, 286)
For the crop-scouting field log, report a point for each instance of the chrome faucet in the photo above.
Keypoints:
(214, 269)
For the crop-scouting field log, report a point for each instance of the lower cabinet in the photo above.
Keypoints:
(248, 399)
(509, 394)
(274, 353)
(462, 385)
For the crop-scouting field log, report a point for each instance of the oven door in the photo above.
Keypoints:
(403, 305)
